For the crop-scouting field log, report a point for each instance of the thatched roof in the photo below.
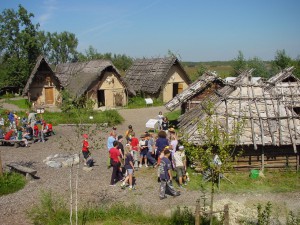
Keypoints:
(79, 77)
(150, 75)
(267, 120)
(193, 89)
(41, 64)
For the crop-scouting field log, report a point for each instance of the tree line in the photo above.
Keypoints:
(22, 41)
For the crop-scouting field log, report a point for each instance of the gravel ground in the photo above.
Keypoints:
(93, 187)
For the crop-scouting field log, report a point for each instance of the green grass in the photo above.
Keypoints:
(52, 210)
(21, 103)
(173, 115)
(11, 182)
(272, 182)
(112, 117)
(139, 102)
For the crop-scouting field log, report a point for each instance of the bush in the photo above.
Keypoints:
(11, 182)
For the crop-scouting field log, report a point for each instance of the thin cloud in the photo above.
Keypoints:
(114, 21)
(49, 6)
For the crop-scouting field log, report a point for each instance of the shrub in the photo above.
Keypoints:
(11, 182)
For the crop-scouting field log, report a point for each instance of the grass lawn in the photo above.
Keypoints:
(21, 103)
(272, 182)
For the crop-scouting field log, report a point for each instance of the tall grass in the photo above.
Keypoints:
(11, 182)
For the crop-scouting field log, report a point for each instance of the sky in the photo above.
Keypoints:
(194, 30)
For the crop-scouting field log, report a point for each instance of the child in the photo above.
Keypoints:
(129, 169)
(128, 134)
(143, 145)
(166, 177)
(20, 136)
(134, 143)
(85, 148)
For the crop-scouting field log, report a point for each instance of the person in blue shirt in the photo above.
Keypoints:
(165, 175)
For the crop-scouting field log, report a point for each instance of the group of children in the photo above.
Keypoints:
(162, 152)
(22, 130)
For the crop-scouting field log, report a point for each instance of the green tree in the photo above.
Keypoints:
(259, 66)
(282, 60)
(215, 152)
(239, 63)
(121, 61)
(18, 45)
(61, 47)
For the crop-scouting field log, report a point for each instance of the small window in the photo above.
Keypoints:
(296, 110)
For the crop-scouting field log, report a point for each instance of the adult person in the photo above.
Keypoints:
(115, 158)
(110, 140)
(161, 143)
(31, 118)
(165, 175)
(179, 160)
(151, 152)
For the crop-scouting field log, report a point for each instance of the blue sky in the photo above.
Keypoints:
(196, 30)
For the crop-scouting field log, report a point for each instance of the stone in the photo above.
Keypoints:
(54, 164)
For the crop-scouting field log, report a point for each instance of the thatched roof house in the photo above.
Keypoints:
(158, 77)
(270, 124)
(195, 92)
(98, 80)
(42, 87)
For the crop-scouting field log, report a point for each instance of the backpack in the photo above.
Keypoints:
(90, 162)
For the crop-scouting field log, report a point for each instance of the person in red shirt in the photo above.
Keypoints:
(85, 147)
(134, 143)
(115, 159)
(9, 135)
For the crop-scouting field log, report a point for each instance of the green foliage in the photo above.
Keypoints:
(293, 218)
(281, 61)
(51, 211)
(112, 117)
(58, 47)
(239, 63)
(11, 182)
(121, 61)
(18, 45)
(259, 66)
(264, 215)
(183, 216)
(272, 182)
(21, 103)
(139, 102)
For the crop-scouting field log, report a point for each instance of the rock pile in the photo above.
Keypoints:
(61, 160)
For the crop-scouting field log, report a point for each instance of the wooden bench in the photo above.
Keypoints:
(16, 143)
(28, 172)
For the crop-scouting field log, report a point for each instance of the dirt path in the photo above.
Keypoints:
(94, 186)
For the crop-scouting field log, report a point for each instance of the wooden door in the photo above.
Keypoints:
(49, 96)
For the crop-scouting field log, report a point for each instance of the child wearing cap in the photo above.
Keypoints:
(85, 148)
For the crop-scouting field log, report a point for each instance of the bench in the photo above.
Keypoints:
(149, 101)
(28, 172)
(16, 143)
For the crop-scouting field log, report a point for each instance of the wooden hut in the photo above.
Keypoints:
(158, 77)
(271, 126)
(195, 92)
(43, 87)
(97, 80)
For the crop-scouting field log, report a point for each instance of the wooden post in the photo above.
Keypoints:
(197, 213)
(262, 158)
(226, 214)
